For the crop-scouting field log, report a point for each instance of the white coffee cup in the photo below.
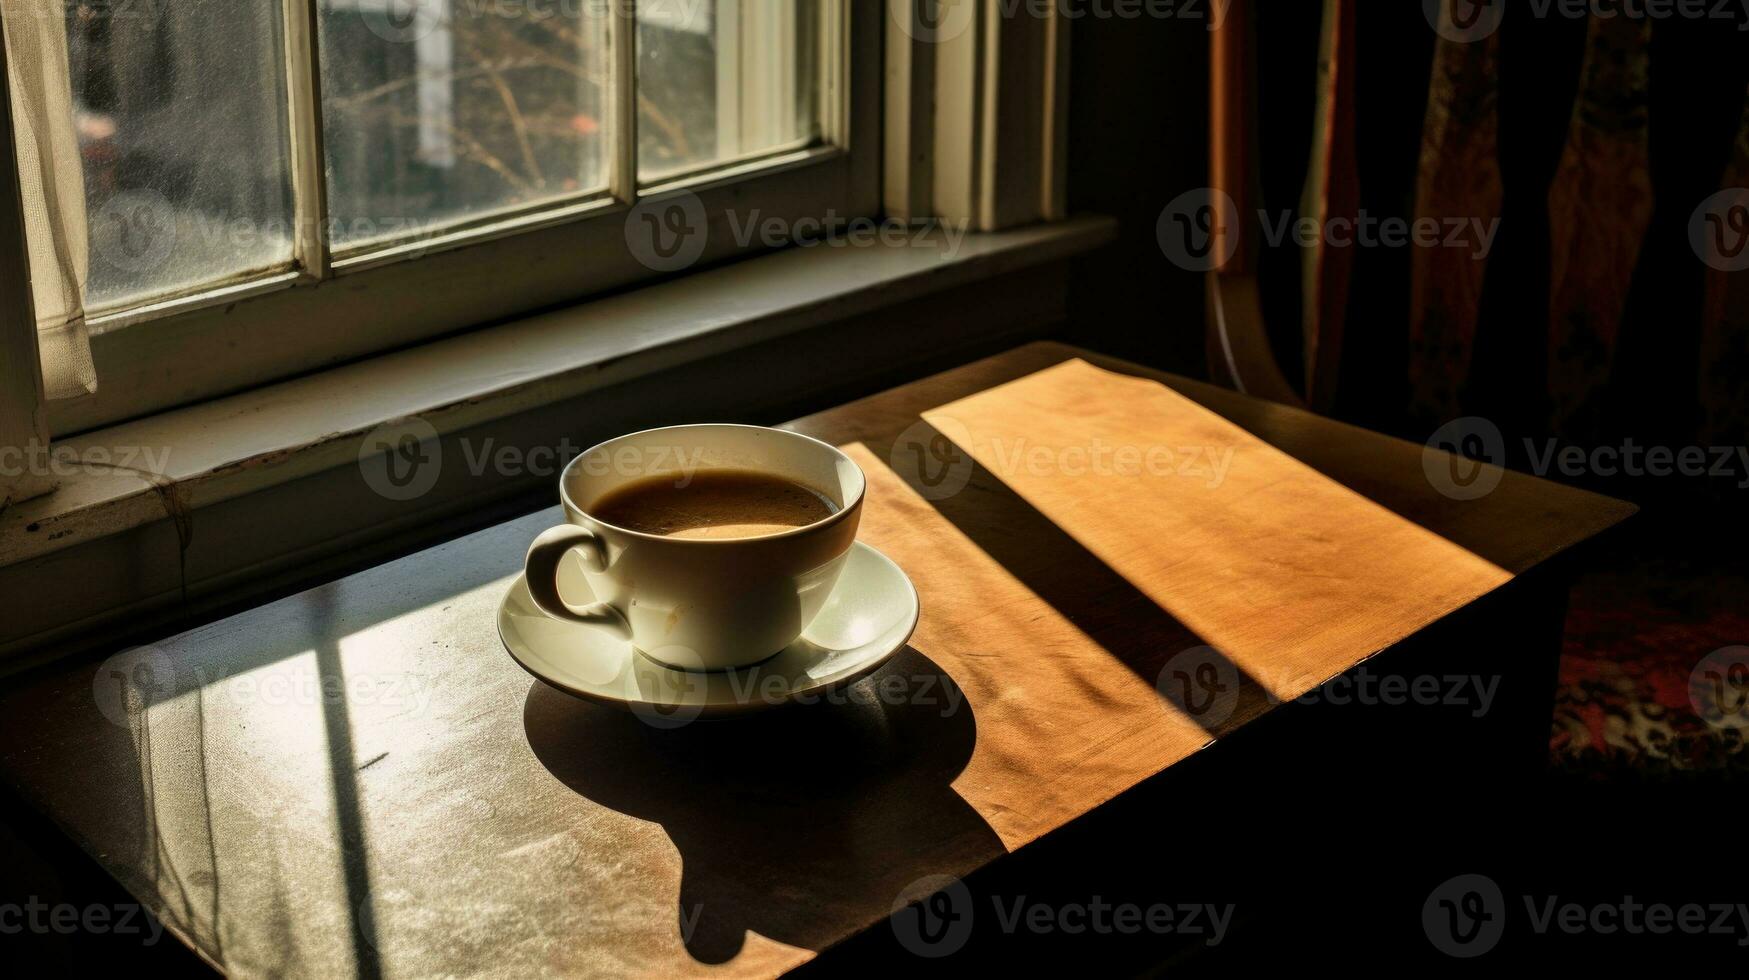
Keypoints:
(700, 603)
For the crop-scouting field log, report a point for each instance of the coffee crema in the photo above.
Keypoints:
(718, 503)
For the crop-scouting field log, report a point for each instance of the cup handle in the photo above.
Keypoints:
(541, 569)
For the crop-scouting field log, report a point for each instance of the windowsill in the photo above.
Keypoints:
(251, 442)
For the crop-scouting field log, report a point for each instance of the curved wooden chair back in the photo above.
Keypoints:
(1238, 342)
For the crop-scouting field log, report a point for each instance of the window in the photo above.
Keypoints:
(435, 119)
(728, 89)
(176, 165)
(285, 184)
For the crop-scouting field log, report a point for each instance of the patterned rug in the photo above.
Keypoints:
(1637, 630)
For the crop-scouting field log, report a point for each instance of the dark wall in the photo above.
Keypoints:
(1138, 125)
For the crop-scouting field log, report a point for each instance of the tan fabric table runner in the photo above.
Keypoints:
(1203, 534)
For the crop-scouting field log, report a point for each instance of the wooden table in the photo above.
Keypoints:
(1117, 568)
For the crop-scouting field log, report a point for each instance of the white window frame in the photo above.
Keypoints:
(977, 112)
(753, 88)
(971, 130)
(498, 266)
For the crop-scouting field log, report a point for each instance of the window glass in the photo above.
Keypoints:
(722, 80)
(181, 120)
(437, 111)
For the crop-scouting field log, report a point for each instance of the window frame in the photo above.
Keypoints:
(243, 334)
(245, 463)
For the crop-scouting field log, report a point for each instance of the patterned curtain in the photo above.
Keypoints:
(1614, 152)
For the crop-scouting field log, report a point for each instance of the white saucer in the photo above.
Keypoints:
(868, 617)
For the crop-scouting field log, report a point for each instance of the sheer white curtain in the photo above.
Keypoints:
(52, 185)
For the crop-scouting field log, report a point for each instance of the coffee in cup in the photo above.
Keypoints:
(717, 503)
(707, 546)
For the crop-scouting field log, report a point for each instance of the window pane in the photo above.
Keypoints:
(438, 111)
(181, 119)
(721, 80)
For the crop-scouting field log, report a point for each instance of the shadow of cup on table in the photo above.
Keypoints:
(794, 823)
